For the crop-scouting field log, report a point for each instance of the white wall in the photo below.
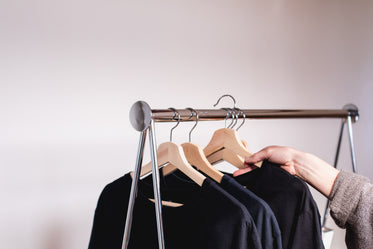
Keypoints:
(70, 71)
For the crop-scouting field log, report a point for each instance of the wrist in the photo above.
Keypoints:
(302, 164)
(316, 172)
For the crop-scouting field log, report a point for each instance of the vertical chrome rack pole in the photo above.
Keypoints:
(156, 187)
(141, 119)
(352, 146)
(133, 192)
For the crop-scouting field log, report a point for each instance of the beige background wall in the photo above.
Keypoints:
(70, 71)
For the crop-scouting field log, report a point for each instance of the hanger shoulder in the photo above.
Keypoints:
(231, 156)
(228, 156)
(197, 158)
(233, 142)
(161, 159)
(216, 143)
(177, 158)
(173, 154)
(226, 138)
(168, 169)
(194, 154)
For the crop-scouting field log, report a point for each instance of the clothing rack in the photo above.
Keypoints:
(143, 119)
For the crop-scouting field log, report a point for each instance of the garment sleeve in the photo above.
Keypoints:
(99, 228)
(351, 206)
(307, 232)
(107, 228)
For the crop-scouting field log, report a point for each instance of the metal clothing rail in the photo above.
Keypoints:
(219, 114)
(143, 118)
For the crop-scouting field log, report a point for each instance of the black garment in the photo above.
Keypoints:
(265, 221)
(209, 219)
(292, 203)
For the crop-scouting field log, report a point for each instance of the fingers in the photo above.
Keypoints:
(283, 156)
(259, 156)
(243, 171)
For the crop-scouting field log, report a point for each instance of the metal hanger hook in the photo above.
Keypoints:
(227, 95)
(226, 117)
(178, 121)
(231, 114)
(197, 117)
(243, 116)
(234, 118)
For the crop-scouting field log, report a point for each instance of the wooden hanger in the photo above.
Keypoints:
(228, 156)
(172, 153)
(226, 143)
(196, 157)
(227, 139)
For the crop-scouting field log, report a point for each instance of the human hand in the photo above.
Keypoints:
(286, 157)
(306, 166)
